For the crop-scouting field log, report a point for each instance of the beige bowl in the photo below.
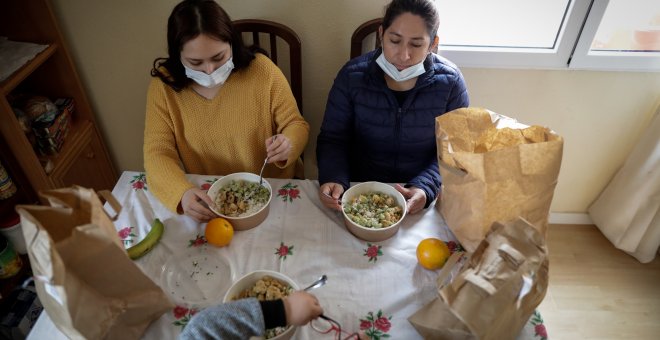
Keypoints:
(373, 234)
(244, 222)
(249, 280)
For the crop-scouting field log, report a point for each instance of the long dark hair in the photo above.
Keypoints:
(424, 8)
(189, 19)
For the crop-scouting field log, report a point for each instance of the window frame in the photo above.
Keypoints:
(571, 50)
(582, 59)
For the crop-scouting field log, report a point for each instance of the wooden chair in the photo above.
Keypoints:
(362, 33)
(275, 30)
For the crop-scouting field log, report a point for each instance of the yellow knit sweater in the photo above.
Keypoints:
(187, 133)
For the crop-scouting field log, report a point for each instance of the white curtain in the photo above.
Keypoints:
(627, 209)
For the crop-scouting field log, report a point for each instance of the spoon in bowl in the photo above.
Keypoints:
(261, 173)
(318, 283)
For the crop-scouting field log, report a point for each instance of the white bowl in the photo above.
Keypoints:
(244, 222)
(249, 280)
(373, 234)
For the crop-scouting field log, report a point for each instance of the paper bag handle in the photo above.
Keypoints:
(106, 196)
(446, 269)
(512, 256)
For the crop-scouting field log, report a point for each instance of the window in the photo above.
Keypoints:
(580, 34)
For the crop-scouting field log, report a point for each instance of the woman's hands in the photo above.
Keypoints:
(301, 308)
(415, 198)
(195, 203)
(278, 148)
(329, 193)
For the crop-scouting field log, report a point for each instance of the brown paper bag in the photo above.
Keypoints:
(484, 181)
(496, 291)
(84, 278)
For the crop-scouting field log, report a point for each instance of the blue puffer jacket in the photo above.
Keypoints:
(366, 136)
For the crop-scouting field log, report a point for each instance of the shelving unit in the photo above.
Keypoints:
(83, 159)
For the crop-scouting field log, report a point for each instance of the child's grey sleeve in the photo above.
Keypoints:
(234, 320)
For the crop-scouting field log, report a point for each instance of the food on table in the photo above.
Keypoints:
(239, 198)
(432, 253)
(265, 289)
(219, 232)
(373, 210)
(149, 241)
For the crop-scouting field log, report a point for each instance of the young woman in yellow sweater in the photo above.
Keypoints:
(215, 107)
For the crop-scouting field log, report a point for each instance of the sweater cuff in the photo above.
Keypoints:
(274, 313)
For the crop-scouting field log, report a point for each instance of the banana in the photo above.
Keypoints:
(149, 241)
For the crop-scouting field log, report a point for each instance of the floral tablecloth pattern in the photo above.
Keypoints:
(372, 286)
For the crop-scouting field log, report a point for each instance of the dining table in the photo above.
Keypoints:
(373, 287)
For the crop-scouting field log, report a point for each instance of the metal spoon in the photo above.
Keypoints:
(261, 173)
(328, 195)
(318, 283)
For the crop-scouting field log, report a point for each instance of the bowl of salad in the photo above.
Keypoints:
(241, 200)
(373, 211)
(264, 285)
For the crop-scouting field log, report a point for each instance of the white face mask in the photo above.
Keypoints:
(218, 77)
(398, 76)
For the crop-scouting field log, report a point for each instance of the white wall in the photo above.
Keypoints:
(600, 114)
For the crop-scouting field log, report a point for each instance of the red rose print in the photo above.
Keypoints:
(138, 185)
(372, 251)
(193, 311)
(383, 324)
(293, 193)
(124, 233)
(288, 192)
(200, 240)
(180, 312)
(365, 324)
(540, 331)
(283, 251)
(206, 186)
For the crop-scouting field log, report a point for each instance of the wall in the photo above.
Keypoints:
(600, 114)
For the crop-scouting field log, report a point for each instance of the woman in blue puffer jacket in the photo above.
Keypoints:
(379, 122)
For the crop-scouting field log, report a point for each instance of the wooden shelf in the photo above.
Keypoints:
(80, 133)
(17, 77)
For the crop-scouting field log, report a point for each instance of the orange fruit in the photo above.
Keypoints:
(432, 253)
(219, 232)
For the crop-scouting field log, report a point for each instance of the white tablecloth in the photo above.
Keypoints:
(365, 280)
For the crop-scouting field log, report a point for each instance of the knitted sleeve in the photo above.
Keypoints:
(165, 176)
(288, 120)
(234, 320)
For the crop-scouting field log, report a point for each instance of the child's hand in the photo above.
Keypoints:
(301, 308)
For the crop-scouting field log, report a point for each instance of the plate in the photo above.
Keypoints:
(197, 278)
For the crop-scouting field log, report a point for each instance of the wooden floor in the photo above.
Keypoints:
(597, 291)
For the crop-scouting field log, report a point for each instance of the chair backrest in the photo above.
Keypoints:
(275, 30)
(363, 32)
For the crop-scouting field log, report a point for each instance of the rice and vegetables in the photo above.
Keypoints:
(373, 210)
(267, 289)
(240, 198)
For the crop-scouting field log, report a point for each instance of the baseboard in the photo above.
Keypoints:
(569, 218)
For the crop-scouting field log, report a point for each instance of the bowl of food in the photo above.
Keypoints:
(264, 285)
(373, 211)
(241, 200)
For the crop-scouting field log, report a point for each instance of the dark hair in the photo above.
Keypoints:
(189, 19)
(424, 8)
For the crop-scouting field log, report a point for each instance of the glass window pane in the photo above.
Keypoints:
(502, 23)
(630, 26)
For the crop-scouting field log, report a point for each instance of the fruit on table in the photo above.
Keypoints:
(219, 232)
(432, 253)
(149, 241)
